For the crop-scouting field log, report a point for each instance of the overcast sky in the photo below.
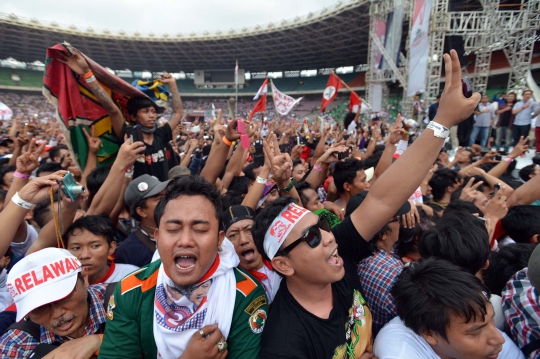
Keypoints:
(164, 16)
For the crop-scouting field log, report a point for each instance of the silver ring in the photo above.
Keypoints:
(221, 345)
(201, 332)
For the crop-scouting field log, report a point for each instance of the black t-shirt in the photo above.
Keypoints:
(159, 157)
(133, 251)
(293, 332)
(505, 118)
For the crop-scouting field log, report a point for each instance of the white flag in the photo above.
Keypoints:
(283, 103)
(419, 47)
(236, 74)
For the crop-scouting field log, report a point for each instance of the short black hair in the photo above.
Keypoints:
(300, 188)
(136, 103)
(48, 167)
(526, 171)
(460, 238)
(345, 172)
(428, 292)
(240, 185)
(462, 206)
(55, 151)
(505, 263)
(99, 225)
(3, 194)
(133, 210)
(42, 212)
(5, 170)
(536, 159)
(522, 222)
(248, 170)
(231, 198)
(96, 178)
(264, 219)
(441, 180)
(349, 117)
(190, 186)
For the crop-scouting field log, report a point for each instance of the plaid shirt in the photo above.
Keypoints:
(18, 344)
(521, 310)
(378, 274)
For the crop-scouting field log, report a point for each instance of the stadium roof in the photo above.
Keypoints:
(333, 37)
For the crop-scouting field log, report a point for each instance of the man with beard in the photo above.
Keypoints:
(237, 223)
(154, 313)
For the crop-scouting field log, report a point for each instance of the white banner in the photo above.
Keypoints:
(419, 47)
(5, 112)
(283, 103)
(394, 31)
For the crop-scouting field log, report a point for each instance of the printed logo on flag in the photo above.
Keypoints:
(329, 92)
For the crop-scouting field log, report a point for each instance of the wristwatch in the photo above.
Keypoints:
(438, 130)
(289, 187)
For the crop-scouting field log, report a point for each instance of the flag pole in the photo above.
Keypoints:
(236, 82)
(350, 89)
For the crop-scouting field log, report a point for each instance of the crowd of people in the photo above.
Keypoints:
(268, 239)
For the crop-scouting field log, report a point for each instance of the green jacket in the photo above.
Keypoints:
(129, 329)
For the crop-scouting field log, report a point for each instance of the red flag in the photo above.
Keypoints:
(331, 90)
(260, 106)
(354, 102)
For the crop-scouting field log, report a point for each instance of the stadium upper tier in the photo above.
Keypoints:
(30, 79)
(333, 37)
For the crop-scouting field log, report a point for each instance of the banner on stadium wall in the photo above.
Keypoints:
(379, 27)
(419, 47)
(283, 103)
(394, 31)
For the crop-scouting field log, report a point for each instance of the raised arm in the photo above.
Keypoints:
(526, 193)
(91, 160)
(79, 65)
(401, 179)
(520, 148)
(176, 101)
(255, 192)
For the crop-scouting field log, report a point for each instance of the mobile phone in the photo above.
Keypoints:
(244, 141)
(346, 137)
(343, 155)
(70, 187)
(466, 87)
(241, 127)
(136, 134)
(496, 188)
(497, 158)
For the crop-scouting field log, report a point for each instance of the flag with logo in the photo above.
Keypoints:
(354, 102)
(77, 107)
(260, 106)
(331, 90)
(283, 103)
(419, 45)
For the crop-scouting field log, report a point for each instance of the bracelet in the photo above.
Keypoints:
(261, 180)
(21, 202)
(90, 79)
(226, 141)
(317, 168)
(439, 130)
(21, 175)
(508, 159)
(88, 75)
(289, 187)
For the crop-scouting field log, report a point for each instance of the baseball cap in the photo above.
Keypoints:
(356, 200)
(534, 268)
(178, 171)
(41, 278)
(235, 214)
(144, 186)
(369, 173)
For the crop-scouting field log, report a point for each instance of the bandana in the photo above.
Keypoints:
(179, 312)
(146, 129)
(281, 227)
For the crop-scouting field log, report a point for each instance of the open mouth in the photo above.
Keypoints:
(65, 326)
(248, 254)
(334, 259)
(185, 262)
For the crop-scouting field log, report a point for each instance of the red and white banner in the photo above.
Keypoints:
(331, 90)
(380, 30)
(284, 103)
(419, 47)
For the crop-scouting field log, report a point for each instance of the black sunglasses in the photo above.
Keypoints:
(312, 236)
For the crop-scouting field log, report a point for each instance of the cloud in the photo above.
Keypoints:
(165, 16)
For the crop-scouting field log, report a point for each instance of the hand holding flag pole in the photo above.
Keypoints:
(350, 89)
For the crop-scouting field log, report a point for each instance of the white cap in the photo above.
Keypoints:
(41, 278)
(369, 173)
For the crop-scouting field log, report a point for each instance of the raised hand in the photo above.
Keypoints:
(281, 163)
(75, 61)
(521, 147)
(396, 131)
(29, 161)
(94, 144)
(38, 189)
(331, 154)
(231, 133)
(129, 152)
(167, 78)
(454, 107)
(469, 192)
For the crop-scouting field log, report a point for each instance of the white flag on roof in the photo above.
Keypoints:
(283, 103)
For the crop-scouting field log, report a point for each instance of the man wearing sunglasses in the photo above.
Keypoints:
(50, 292)
(319, 310)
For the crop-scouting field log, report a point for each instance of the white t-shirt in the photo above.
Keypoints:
(396, 341)
(117, 272)
(19, 249)
(5, 298)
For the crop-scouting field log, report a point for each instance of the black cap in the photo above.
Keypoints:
(136, 103)
(357, 199)
(235, 214)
